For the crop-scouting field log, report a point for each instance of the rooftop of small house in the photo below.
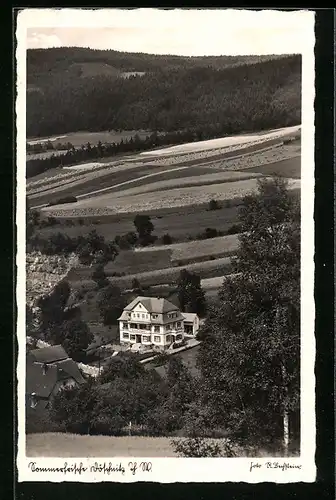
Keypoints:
(189, 317)
(48, 354)
(47, 366)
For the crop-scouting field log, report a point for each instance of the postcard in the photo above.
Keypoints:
(165, 245)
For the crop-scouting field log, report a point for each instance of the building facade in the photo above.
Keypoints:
(151, 322)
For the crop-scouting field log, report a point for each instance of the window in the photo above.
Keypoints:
(133, 325)
(157, 338)
(146, 338)
(142, 315)
(125, 325)
(138, 315)
(155, 316)
(125, 335)
(132, 337)
(156, 329)
(178, 336)
(168, 327)
(168, 338)
(144, 327)
(178, 324)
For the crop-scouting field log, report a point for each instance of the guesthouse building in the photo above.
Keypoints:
(154, 323)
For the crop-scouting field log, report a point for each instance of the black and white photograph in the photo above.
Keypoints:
(165, 191)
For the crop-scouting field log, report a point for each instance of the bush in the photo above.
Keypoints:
(210, 233)
(65, 199)
(234, 229)
(213, 205)
(167, 239)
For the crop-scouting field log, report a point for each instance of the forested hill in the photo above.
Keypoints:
(72, 89)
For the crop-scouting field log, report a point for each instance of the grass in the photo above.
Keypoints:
(78, 183)
(290, 168)
(79, 138)
(131, 262)
(179, 222)
(74, 445)
(207, 269)
(195, 179)
(148, 202)
(193, 250)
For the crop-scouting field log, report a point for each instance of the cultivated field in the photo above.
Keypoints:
(193, 250)
(110, 203)
(206, 269)
(225, 142)
(180, 223)
(74, 445)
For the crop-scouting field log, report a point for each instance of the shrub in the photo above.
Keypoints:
(210, 232)
(234, 229)
(213, 205)
(167, 239)
(65, 199)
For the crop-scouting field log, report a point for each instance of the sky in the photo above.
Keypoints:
(178, 31)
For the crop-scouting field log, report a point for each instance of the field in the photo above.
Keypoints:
(201, 249)
(286, 168)
(207, 269)
(174, 186)
(110, 203)
(74, 445)
(77, 139)
(224, 142)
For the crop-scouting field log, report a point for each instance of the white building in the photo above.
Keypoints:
(154, 322)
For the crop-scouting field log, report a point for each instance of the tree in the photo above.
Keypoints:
(167, 239)
(63, 325)
(250, 354)
(190, 294)
(73, 408)
(213, 205)
(136, 285)
(122, 366)
(76, 338)
(144, 227)
(99, 276)
(111, 303)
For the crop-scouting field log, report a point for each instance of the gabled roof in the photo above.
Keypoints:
(68, 368)
(38, 383)
(48, 354)
(152, 304)
(189, 316)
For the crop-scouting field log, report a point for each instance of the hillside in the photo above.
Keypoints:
(96, 90)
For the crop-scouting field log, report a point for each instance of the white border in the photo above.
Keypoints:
(179, 469)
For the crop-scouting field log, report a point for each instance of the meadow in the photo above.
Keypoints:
(181, 223)
(193, 250)
(178, 197)
(79, 138)
(74, 445)
(225, 142)
(80, 276)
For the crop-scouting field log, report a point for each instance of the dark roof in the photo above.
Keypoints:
(39, 383)
(153, 305)
(48, 354)
(68, 368)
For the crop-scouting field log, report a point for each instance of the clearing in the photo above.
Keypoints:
(77, 139)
